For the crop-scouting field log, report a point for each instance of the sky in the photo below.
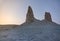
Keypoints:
(14, 11)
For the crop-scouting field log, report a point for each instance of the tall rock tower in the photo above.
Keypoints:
(48, 17)
(29, 16)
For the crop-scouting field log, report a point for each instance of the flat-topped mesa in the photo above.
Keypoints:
(48, 16)
(29, 15)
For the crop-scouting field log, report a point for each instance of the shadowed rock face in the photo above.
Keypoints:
(48, 17)
(29, 16)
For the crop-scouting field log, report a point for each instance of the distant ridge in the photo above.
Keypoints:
(10, 26)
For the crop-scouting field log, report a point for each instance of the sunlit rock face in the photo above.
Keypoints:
(29, 15)
(48, 16)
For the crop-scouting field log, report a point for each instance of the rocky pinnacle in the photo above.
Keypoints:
(48, 16)
(29, 15)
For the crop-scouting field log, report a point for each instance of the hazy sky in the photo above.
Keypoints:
(14, 11)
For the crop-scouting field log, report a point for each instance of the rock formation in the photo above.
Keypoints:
(48, 17)
(29, 16)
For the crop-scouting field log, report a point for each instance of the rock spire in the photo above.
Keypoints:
(29, 15)
(48, 16)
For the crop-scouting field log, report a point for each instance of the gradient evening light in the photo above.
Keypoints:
(14, 11)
